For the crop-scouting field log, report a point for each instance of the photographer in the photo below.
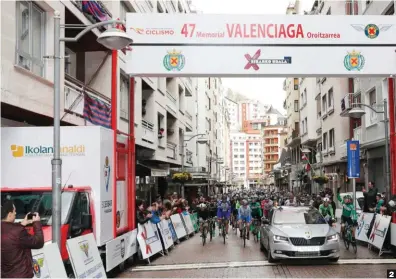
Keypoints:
(16, 243)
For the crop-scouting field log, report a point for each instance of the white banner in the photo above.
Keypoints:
(120, 249)
(379, 230)
(165, 233)
(363, 226)
(47, 262)
(187, 221)
(393, 233)
(178, 226)
(184, 61)
(148, 239)
(207, 29)
(85, 258)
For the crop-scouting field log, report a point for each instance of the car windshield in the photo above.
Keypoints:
(298, 216)
(37, 201)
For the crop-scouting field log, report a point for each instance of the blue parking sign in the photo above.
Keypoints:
(353, 155)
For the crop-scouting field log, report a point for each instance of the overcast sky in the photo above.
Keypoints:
(267, 90)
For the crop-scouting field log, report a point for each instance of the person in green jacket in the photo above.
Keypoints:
(255, 206)
(327, 211)
(348, 215)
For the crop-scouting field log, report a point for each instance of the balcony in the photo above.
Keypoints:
(74, 91)
(171, 150)
(343, 150)
(357, 134)
(171, 104)
(148, 133)
(188, 85)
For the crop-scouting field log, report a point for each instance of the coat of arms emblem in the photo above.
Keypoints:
(174, 60)
(354, 61)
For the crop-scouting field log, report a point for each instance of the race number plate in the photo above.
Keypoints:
(308, 249)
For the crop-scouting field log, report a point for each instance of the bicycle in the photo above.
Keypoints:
(235, 225)
(348, 238)
(222, 228)
(204, 231)
(211, 228)
(256, 229)
(244, 232)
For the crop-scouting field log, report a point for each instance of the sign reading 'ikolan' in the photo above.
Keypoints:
(260, 29)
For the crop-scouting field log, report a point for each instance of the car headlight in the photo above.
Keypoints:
(278, 238)
(332, 237)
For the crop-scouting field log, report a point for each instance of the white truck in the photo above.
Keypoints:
(96, 196)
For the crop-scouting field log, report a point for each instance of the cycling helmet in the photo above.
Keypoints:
(326, 200)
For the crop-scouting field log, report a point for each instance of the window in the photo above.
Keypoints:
(295, 105)
(331, 138)
(305, 96)
(373, 101)
(30, 37)
(302, 99)
(324, 103)
(303, 126)
(124, 98)
(296, 84)
(324, 141)
(330, 98)
(306, 125)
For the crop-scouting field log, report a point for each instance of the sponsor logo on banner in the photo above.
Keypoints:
(371, 31)
(84, 247)
(18, 151)
(37, 264)
(153, 31)
(354, 61)
(106, 173)
(174, 60)
(254, 61)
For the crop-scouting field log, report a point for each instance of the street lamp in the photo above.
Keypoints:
(111, 39)
(358, 112)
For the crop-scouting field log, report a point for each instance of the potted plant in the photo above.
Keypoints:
(321, 179)
(181, 177)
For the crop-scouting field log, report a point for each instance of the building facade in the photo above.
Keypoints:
(167, 110)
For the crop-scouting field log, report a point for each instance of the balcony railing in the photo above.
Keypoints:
(172, 103)
(171, 150)
(148, 133)
(188, 115)
(74, 91)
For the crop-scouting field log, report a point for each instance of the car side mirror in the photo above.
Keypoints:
(265, 221)
(86, 221)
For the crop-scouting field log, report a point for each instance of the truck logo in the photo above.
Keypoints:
(106, 173)
(17, 150)
(85, 248)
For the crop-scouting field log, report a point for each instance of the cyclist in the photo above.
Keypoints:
(327, 211)
(349, 215)
(234, 209)
(244, 214)
(203, 213)
(224, 212)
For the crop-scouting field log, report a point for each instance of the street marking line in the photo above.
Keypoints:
(247, 264)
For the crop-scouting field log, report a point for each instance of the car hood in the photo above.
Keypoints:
(308, 231)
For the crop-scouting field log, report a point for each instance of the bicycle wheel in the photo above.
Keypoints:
(354, 245)
(204, 232)
(210, 230)
(244, 235)
(224, 234)
(346, 240)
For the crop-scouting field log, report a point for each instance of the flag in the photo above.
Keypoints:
(97, 112)
(96, 10)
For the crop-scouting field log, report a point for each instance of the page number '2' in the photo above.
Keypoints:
(391, 273)
(188, 30)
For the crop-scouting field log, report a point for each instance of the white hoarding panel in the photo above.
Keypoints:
(107, 172)
(47, 262)
(120, 249)
(261, 61)
(85, 257)
(260, 29)
(148, 239)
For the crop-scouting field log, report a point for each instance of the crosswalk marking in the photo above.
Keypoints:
(248, 264)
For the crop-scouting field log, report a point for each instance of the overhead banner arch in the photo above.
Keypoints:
(201, 45)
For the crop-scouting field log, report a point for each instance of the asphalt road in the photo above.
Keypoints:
(232, 260)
